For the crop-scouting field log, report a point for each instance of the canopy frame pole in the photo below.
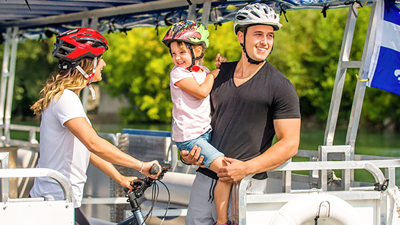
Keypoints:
(206, 13)
(340, 75)
(192, 12)
(343, 65)
(8, 77)
(4, 77)
(361, 85)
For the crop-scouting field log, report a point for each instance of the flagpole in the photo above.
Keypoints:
(343, 65)
(362, 82)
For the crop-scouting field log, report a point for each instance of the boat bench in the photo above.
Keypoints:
(34, 210)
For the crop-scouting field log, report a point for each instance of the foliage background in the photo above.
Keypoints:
(306, 50)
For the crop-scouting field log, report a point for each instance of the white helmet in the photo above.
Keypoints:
(257, 13)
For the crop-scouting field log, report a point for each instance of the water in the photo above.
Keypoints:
(367, 143)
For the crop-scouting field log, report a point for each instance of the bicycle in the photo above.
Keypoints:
(140, 185)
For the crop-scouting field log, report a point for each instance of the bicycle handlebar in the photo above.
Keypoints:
(141, 184)
(139, 187)
(154, 169)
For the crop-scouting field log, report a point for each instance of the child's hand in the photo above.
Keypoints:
(214, 73)
(218, 60)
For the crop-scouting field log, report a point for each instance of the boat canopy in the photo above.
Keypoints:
(38, 19)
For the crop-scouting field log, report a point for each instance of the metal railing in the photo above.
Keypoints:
(372, 166)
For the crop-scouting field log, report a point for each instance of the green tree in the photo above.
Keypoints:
(33, 66)
(306, 50)
(138, 66)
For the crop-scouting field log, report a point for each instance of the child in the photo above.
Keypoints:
(191, 84)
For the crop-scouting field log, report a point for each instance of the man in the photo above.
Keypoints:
(251, 102)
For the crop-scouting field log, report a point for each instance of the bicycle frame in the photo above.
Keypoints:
(139, 187)
(137, 217)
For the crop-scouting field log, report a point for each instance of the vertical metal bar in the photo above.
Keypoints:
(287, 179)
(383, 209)
(4, 184)
(192, 12)
(323, 152)
(10, 88)
(244, 183)
(4, 77)
(93, 23)
(340, 75)
(85, 22)
(359, 94)
(323, 177)
(206, 13)
(390, 173)
(361, 86)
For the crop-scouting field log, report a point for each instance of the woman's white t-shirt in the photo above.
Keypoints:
(191, 115)
(61, 150)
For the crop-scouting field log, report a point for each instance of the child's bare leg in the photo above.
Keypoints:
(221, 196)
(221, 192)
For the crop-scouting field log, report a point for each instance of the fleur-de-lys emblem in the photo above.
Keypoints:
(397, 74)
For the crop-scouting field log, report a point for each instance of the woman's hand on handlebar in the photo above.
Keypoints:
(147, 167)
(126, 181)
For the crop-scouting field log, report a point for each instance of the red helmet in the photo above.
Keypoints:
(73, 45)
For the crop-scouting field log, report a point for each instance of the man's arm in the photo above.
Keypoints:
(288, 134)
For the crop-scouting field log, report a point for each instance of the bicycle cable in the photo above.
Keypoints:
(154, 194)
(168, 202)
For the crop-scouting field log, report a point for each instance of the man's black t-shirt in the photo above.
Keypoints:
(242, 116)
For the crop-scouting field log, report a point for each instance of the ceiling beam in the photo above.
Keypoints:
(60, 4)
(99, 13)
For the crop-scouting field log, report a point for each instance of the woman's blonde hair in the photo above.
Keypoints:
(70, 79)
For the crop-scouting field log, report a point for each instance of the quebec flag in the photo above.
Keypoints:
(384, 72)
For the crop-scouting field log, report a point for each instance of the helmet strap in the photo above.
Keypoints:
(64, 65)
(250, 60)
(89, 77)
(193, 67)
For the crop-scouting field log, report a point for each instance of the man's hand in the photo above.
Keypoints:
(193, 157)
(233, 172)
(218, 60)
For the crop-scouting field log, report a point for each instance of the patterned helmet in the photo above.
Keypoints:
(257, 13)
(73, 45)
(188, 31)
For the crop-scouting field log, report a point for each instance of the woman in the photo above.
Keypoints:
(67, 139)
